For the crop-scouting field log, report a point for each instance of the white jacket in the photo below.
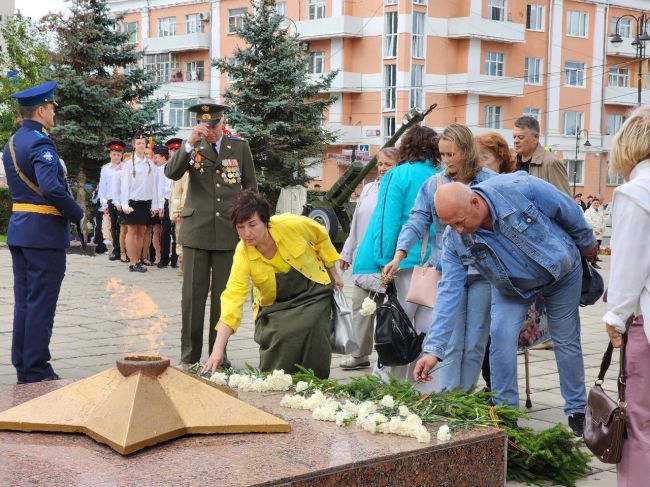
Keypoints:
(596, 218)
(629, 279)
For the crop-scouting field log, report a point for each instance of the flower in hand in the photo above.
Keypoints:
(368, 307)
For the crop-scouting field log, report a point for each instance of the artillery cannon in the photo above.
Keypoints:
(335, 211)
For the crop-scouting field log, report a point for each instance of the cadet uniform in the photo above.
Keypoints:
(38, 236)
(216, 176)
(109, 182)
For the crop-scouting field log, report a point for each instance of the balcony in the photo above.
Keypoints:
(626, 49)
(463, 83)
(627, 96)
(479, 28)
(186, 42)
(345, 82)
(183, 89)
(330, 27)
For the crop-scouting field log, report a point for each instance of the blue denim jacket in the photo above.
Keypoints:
(532, 214)
(423, 215)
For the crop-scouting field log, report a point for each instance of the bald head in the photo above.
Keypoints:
(460, 207)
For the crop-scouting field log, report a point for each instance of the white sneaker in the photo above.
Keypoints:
(352, 363)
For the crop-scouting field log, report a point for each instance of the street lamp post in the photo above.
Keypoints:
(642, 24)
(575, 162)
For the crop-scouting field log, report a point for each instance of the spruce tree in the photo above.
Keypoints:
(24, 61)
(98, 99)
(277, 105)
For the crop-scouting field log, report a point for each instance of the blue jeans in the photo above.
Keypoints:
(508, 314)
(467, 344)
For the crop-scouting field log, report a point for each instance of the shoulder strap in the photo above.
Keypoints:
(425, 239)
(621, 370)
(21, 175)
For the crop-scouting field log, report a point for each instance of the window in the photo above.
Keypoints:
(236, 19)
(167, 27)
(194, 71)
(162, 66)
(574, 74)
(533, 71)
(389, 127)
(497, 10)
(390, 79)
(576, 23)
(532, 112)
(281, 9)
(572, 122)
(575, 171)
(178, 114)
(494, 63)
(193, 24)
(619, 77)
(535, 17)
(316, 9)
(390, 34)
(316, 62)
(420, 2)
(390, 2)
(417, 48)
(492, 117)
(131, 28)
(417, 94)
(624, 27)
(233, 62)
(614, 123)
(615, 179)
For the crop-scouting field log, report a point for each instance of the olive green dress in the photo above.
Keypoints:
(295, 329)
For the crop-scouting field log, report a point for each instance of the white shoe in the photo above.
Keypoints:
(352, 363)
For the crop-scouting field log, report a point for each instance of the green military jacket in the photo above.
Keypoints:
(213, 183)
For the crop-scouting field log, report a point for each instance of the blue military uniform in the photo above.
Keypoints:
(38, 236)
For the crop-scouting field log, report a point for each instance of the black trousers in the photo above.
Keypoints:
(166, 237)
(115, 228)
(98, 236)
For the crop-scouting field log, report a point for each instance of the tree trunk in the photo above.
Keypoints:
(81, 189)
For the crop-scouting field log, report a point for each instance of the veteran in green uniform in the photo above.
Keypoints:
(219, 168)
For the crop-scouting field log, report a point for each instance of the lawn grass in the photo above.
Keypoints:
(3, 238)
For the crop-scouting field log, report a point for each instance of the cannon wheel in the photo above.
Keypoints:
(326, 217)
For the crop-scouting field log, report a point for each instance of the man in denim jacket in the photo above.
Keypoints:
(526, 237)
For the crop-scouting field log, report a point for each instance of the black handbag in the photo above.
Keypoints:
(604, 430)
(396, 341)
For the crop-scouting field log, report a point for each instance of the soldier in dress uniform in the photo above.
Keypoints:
(219, 167)
(38, 232)
(109, 181)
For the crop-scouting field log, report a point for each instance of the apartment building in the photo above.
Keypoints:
(483, 62)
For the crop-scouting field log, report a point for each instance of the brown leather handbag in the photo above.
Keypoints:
(604, 430)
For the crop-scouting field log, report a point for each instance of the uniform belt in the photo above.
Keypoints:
(32, 208)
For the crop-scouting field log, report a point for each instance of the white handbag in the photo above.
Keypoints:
(423, 288)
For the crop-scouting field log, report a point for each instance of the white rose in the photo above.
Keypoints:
(443, 433)
(383, 428)
(233, 381)
(341, 418)
(219, 378)
(413, 420)
(368, 307)
(404, 411)
(302, 386)
(369, 425)
(424, 436)
(350, 408)
(387, 401)
(395, 425)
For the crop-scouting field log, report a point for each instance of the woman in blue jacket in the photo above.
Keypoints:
(420, 159)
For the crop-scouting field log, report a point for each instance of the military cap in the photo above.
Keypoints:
(174, 143)
(208, 112)
(116, 145)
(43, 93)
(162, 151)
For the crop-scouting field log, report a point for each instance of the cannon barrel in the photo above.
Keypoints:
(340, 193)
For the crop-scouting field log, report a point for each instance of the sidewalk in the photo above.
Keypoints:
(104, 312)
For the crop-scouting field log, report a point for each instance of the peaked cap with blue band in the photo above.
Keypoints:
(43, 93)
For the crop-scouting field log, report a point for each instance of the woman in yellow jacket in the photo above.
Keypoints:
(288, 258)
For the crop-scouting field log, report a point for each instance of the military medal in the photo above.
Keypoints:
(231, 173)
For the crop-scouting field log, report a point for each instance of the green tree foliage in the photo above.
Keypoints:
(278, 105)
(98, 99)
(25, 59)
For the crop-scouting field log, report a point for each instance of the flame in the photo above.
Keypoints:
(146, 323)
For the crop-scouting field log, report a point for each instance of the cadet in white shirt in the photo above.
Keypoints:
(139, 197)
(108, 192)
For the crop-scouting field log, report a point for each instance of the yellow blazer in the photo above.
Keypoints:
(303, 243)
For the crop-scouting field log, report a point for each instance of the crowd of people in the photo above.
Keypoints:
(501, 229)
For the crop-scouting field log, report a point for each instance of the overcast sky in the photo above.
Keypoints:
(38, 8)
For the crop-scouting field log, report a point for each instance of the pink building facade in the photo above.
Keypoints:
(484, 62)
